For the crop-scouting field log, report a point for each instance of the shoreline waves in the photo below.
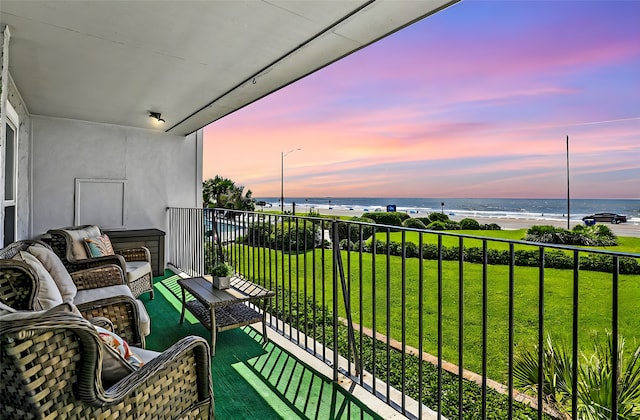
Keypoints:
(508, 214)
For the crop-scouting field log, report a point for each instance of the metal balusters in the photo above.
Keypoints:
(314, 276)
(439, 405)
(574, 337)
(484, 327)
(512, 263)
(460, 326)
(541, 333)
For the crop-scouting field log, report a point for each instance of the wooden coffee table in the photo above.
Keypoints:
(221, 310)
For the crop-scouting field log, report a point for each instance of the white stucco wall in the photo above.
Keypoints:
(161, 170)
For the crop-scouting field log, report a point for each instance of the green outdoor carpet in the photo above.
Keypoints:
(251, 381)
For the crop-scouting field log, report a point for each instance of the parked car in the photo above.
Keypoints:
(606, 217)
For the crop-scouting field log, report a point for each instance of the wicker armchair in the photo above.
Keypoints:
(51, 367)
(19, 287)
(135, 262)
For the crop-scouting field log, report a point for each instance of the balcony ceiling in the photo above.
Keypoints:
(193, 61)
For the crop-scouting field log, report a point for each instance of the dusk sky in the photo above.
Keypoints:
(475, 101)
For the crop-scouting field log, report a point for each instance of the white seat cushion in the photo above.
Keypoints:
(144, 354)
(54, 266)
(137, 269)
(90, 295)
(78, 249)
(48, 294)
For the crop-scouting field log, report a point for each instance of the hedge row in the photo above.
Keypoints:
(297, 238)
(435, 221)
(527, 258)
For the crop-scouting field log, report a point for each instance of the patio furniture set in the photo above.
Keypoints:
(72, 332)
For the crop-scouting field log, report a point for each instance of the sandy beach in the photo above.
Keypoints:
(630, 228)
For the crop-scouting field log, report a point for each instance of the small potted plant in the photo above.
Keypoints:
(221, 273)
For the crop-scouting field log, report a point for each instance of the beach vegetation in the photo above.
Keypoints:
(452, 225)
(625, 243)
(296, 238)
(525, 256)
(424, 219)
(224, 193)
(597, 235)
(413, 224)
(316, 321)
(354, 232)
(387, 218)
(469, 224)
(437, 225)
(290, 236)
(389, 276)
(595, 377)
(347, 245)
(438, 217)
(490, 226)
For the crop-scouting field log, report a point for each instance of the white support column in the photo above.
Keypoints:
(5, 36)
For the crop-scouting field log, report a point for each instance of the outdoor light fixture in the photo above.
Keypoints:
(157, 116)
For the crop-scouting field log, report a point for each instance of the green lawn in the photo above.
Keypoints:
(594, 299)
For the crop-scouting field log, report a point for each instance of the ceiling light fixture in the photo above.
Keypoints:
(157, 116)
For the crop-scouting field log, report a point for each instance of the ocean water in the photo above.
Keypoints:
(551, 209)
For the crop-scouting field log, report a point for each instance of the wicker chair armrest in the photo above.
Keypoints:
(101, 276)
(183, 372)
(102, 322)
(18, 285)
(77, 265)
(122, 312)
(135, 254)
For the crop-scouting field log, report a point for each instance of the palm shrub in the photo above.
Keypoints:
(595, 378)
(598, 235)
(547, 234)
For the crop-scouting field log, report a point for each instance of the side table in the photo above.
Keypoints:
(221, 310)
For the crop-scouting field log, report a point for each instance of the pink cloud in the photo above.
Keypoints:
(437, 110)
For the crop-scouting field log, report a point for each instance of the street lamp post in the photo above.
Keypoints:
(282, 155)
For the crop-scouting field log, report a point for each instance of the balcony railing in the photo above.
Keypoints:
(430, 322)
